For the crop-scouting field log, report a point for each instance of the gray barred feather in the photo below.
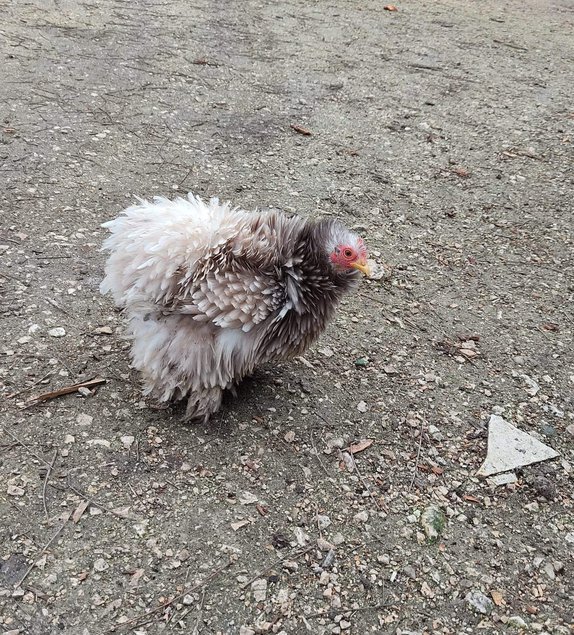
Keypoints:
(211, 291)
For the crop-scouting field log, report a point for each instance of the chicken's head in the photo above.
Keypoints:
(351, 253)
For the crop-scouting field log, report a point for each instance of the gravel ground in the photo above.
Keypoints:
(442, 132)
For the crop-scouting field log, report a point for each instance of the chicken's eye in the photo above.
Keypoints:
(348, 253)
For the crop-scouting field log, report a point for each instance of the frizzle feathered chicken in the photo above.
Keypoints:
(212, 291)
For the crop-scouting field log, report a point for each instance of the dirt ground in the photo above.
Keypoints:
(443, 133)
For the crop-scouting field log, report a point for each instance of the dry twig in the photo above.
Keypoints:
(66, 390)
(44, 549)
(46, 479)
(137, 621)
(38, 381)
(418, 455)
(365, 484)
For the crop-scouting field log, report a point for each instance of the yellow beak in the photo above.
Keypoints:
(363, 267)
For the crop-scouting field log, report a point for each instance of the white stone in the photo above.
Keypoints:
(127, 440)
(510, 448)
(479, 602)
(247, 498)
(515, 621)
(57, 332)
(259, 588)
(102, 442)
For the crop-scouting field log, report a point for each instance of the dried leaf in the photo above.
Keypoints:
(136, 577)
(239, 524)
(262, 510)
(471, 499)
(497, 598)
(360, 445)
(79, 511)
(301, 130)
(462, 172)
(390, 7)
(550, 326)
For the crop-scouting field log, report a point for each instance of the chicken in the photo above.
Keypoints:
(211, 291)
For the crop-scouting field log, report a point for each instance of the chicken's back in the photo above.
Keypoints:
(151, 241)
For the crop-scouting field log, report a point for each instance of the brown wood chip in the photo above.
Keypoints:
(301, 130)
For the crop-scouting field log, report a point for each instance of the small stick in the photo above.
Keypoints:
(418, 455)
(273, 564)
(46, 478)
(90, 500)
(136, 620)
(26, 447)
(44, 549)
(351, 611)
(67, 390)
(317, 456)
(57, 306)
(19, 392)
(510, 45)
(199, 615)
(365, 484)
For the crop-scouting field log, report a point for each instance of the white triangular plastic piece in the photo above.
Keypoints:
(509, 448)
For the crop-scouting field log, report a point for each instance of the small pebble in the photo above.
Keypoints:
(516, 622)
(479, 602)
(127, 441)
(259, 588)
(84, 420)
(433, 522)
(329, 559)
(57, 332)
